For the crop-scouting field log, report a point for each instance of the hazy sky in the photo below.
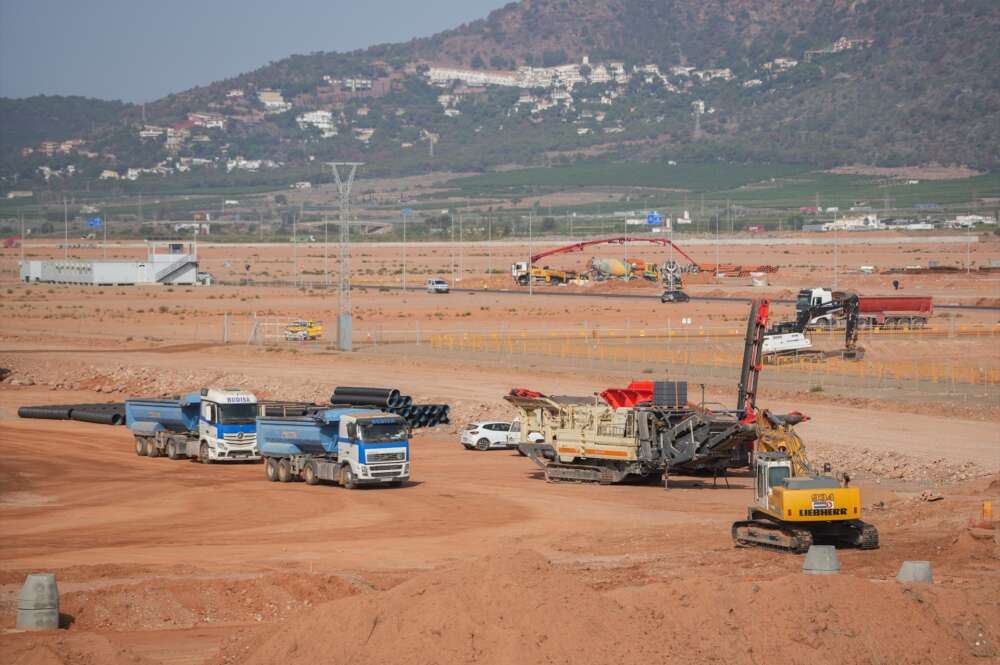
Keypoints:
(140, 50)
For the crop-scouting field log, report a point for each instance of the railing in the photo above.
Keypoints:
(163, 273)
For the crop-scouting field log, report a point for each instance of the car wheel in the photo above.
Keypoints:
(483, 444)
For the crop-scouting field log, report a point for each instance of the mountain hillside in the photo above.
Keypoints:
(823, 82)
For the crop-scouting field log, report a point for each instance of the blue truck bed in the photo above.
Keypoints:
(149, 416)
(302, 435)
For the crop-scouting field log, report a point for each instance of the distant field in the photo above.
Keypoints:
(751, 186)
(692, 177)
(847, 190)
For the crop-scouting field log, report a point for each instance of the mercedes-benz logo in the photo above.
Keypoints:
(239, 436)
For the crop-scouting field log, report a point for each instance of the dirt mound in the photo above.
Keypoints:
(171, 603)
(60, 648)
(518, 607)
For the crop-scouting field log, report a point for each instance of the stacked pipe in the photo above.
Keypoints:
(378, 397)
(424, 415)
(112, 413)
(392, 401)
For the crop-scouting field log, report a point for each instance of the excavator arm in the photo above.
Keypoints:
(777, 433)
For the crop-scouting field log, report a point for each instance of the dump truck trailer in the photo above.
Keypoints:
(348, 446)
(213, 425)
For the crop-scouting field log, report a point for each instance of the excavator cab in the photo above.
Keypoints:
(770, 471)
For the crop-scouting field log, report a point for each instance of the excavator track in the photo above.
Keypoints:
(574, 473)
(772, 536)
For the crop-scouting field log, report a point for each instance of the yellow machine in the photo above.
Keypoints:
(303, 329)
(794, 505)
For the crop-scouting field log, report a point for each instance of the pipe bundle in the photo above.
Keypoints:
(112, 413)
(392, 401)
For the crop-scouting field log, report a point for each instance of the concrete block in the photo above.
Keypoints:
(47, 619)
(821, 560)
(38, 603)
(39, 592)
(915, 572)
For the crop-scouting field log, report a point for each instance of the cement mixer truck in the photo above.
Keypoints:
(214, 425)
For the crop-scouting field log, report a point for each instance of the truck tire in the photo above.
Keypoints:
(271, 469)
(309, 474)
(203, 454)
(140, 446)
(284, 471)
(347, 478)
(483, 444)
(151, 448)
(172, 449)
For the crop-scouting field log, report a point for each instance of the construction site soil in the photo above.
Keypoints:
(478, 559)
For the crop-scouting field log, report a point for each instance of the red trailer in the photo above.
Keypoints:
(895, 310)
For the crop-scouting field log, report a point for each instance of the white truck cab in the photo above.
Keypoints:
(227, 428)
(375, 446)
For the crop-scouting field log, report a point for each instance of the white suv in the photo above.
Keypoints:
(437, 286)
(490, 434)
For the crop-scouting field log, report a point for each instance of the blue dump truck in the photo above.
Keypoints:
(349, 446)
(213, 425)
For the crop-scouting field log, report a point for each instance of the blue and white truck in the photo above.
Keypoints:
(352, 447)
(214, 425)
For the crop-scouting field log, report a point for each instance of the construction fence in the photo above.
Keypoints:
(642, 348)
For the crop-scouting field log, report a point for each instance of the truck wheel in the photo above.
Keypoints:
(151, 448)
(309, 474)
(284, 471)
(140, 446)
(347, 478)
(483, 444)
(172, 451)
(271, 469)
(203, 454)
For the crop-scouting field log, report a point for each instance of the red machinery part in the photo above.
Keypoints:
(524, 392)
(617, 240)
(636, 393)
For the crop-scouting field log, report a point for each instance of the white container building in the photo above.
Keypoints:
(177, 265)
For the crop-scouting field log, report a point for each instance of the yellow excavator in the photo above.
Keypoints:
(794, 505)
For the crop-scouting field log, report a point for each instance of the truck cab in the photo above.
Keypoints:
(227, 426)
(375, 446)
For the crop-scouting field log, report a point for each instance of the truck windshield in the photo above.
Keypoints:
(384, 431)
(233, 414)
